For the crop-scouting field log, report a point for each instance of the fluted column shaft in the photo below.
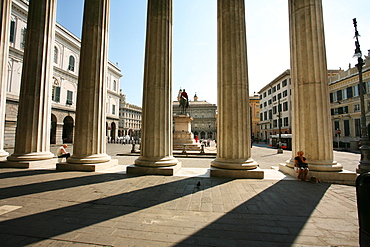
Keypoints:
(5, 8)
(312, 127)
(32, 138)
(234, 140)
(89, 141)
(156, 144)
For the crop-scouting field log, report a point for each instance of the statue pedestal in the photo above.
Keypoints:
(182, 135)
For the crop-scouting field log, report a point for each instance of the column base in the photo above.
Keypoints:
(90, 167)
(249, 164)
(160, 170)
(41, 164)
(320, 166)
(256, 173)
(341, 177)
(156, 162)
(3, 155)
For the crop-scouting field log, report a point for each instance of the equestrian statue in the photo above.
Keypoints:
(184, 101)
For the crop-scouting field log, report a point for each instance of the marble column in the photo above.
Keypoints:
(312, 126)
(156, 140)
(89, 149)
(32, 138)
(4, 56)
(234, 138)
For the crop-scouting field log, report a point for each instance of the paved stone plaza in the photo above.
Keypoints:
(44, 207)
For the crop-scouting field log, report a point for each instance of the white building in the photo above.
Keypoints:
(275, 98)
(130, 119)
(65, 79)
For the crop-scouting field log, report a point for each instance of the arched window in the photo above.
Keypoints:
(55, 93)
(71, 65)
(55, 54)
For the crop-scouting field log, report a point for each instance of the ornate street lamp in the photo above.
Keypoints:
(364, 165)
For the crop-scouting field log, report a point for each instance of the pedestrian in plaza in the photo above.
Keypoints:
(62, 152)
(301, 164)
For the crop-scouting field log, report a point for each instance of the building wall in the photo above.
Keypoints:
(345, 105)
(130, 119)
(254, 102)
(64, 76)
(279, 88)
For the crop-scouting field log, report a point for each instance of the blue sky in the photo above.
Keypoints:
(195, 40)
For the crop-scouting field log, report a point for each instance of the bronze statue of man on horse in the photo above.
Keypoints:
(184, 101)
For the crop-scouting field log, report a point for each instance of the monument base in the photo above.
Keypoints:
(94, 167)
(256, 173)
(151, 170)
(342, 177)
(42, 164)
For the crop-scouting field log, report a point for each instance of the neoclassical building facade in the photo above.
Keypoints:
(66, 57)
(129, 119)
(345, 105)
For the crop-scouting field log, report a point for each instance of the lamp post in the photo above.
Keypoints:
(364, 165)
(280, 150)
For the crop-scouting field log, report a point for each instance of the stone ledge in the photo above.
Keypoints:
(49, 163)
(64, 166)
(146, 170)
(257, 173)
(342, 177)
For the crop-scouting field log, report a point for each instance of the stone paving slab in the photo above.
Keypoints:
(53, 208)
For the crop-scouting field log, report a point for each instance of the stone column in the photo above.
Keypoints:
(5, 8)
(156, 140)
(89, 148)
(312, 126)
(234, 140)
(32, 138)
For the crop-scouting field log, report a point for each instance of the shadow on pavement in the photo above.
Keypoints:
(265, 220)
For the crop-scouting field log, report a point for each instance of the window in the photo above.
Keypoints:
(357, 108)
(274, 110)
(285, 93)
(285, 106)
(355, 91)
(286, 121)
(23, 32)
(264, 94)
(336, 125)
(113, 109)
(274, 89)
(346, 128)
(278, 86)
(270, 114)
(12, 32)
(331, 98)
(345, 109)
(284, 83)
(55, 93)
(261, 116)
(265, 104)
(270, 102)
(345, 94)
(349, 92)
(339, 95)
(265, 115)
(69, 97)
(279, 96)
(114, 85)
(275, 123)
(279, 108)
(55, 55)
(269, 91)
(274, 98)
(71, 65)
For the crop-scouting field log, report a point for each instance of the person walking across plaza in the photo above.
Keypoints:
(62, 152)
(301, 164)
